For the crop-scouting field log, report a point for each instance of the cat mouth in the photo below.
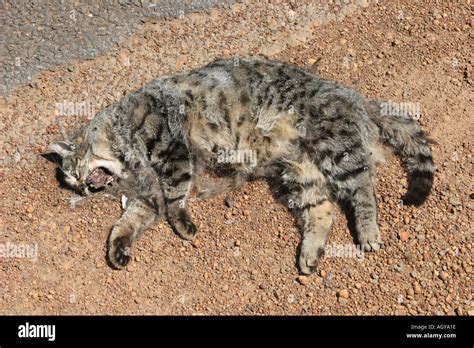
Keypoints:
(99, 179)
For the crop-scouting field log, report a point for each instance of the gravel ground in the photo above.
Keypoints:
(243, 260)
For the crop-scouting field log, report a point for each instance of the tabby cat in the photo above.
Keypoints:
(315, 141)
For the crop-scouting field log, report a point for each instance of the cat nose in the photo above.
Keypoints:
(83, 187)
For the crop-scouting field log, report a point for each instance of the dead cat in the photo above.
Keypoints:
(314, 140)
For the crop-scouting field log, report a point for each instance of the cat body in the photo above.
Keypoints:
(315, 140)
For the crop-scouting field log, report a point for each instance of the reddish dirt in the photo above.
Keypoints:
(243, 260)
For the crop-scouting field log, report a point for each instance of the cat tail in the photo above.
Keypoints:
(402, 132)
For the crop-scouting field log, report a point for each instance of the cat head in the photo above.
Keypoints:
(81, 159)
(93, 147)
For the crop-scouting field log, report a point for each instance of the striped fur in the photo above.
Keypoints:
(240, 119)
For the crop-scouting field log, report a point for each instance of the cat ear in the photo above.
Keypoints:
(62, 148)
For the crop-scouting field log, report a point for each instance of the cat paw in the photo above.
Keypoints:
(309, 259)
(371, 241)
(119, 253)
(184, 226)
(187, 229)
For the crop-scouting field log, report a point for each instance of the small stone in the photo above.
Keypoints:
(225, 287)
(444, 276)
(418, 228)
(358, 285)
(237, 243)
(303, 280)
(433, 301)
(137, 258)
(342, 301)
(67, 229)
(30, 209)
(196, 243)
(246, 213)
(404, 235)
(417, 288)
(343, 294)
(406, 220)
(228, 215)
(229, 201)
(322, 273)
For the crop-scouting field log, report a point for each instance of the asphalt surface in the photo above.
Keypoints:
(35, 36)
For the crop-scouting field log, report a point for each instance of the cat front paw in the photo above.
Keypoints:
(119, 252)
(183, 225)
